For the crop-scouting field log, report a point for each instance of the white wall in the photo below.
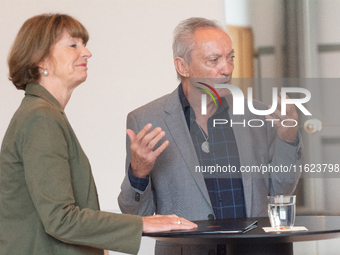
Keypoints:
(329, 20)
(237, 12)
(131, 65)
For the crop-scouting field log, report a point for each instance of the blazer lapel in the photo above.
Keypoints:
(177, 126)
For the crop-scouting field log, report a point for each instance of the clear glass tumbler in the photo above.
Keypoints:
(281, 211)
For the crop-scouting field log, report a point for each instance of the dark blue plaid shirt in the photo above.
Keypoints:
(225, 190)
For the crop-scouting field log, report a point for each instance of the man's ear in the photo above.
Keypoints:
(181, 66)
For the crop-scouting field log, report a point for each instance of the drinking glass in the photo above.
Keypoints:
(281, 211)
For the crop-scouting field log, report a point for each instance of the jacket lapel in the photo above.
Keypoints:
(177, 126)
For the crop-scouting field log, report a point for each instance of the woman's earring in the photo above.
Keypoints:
(45, 72)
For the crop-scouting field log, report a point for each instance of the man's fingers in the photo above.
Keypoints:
(143, 132)
(290, 113)
(131, 134)
(161, 148)
(142, 155)
(156, 139)
(290, 108)
(276, 112)
(150, 137)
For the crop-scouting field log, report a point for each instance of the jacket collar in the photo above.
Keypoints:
(35, 89)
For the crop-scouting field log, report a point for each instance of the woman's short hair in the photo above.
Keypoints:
(33, 44)
(183, 44)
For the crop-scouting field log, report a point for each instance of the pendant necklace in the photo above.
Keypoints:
(205, 145)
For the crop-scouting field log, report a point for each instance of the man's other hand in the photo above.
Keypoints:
(143, 155)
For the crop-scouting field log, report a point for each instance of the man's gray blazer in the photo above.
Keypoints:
(174, 188)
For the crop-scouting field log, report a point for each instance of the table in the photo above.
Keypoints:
(258, 242)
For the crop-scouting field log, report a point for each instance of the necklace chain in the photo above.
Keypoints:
(205, 145)
(205, 137)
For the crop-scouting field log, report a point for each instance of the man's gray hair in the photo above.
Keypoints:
(183, 44)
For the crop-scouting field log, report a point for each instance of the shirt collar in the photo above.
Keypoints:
(182, 98)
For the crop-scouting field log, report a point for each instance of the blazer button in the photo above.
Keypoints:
(211, 217)
(137, 197)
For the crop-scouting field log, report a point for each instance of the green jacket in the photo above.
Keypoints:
(48, 199)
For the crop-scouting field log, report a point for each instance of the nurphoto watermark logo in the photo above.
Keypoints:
(239, 104)
(251, 112)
